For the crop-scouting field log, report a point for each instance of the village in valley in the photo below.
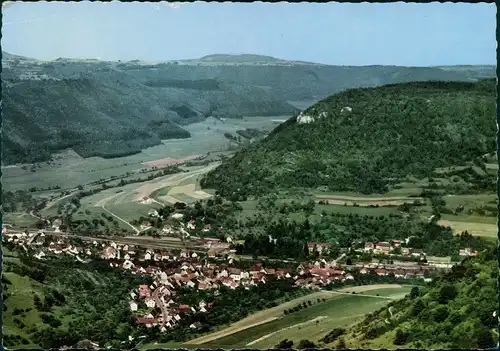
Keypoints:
(214, 263)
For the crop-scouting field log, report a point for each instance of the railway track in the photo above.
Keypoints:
(152, 243)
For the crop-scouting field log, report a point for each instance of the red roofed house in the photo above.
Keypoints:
(144, 290)
(184, 308)
(148, 321)
(396, 243)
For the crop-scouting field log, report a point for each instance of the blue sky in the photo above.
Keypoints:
(331, 33)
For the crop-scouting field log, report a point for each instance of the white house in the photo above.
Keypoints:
(133, 306)
(177, 216)
(127, 264)
(40, 255)
(150, 302)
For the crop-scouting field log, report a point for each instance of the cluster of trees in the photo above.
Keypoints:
(288, 344)
(373, 278)
(351, 152)
(291, 241)
(333, 335)
(294, 206)
(13, 201)
(251, 133)
(301, 306)
(471, 179)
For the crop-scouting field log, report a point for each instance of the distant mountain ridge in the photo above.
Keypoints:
(46, 102)
(238, 58)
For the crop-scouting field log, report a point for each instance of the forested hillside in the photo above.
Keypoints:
(454, 311)
(113, 109)
(363, 140)
(111, 114)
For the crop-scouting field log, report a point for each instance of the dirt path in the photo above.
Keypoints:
(121, 219)
(365, 201)
(331, 201)
(160, 305)
(380, 297)
(103, 202)
(56, 200)
(364, 198)
(363, 288)
(387, 319)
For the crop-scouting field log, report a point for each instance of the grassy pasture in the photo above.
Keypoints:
(487, 230)
(18, 219)
(339, 310)
(130, 211)
(330, 313)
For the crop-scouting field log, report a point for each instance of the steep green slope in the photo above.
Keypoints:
(93, 118)
(454, 311)
(59, 302)
(111, 114)
(364, 139)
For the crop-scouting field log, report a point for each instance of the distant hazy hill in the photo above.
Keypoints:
(116, 108)
(358, 139)
(239, 58)
(8, 56)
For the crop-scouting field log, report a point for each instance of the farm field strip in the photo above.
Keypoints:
(290, 327)
(365, 201)
(148, 188)
(257, 318)
(126, 203)
(169, 161)
(362, 210)
(313, 329)
(473, 228)
(367, 198)
(331, 201)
